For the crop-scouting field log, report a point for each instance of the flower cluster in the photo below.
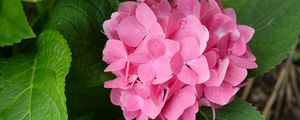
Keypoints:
(172, 58)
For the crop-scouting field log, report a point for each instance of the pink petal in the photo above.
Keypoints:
(191, 26)
(246, 32)
(161, 80)
(204, 101)
(208, 15)
(235, 75)
(130, 115)
(115, 96)
(188, 7)
(145, 15)
(223, 45)
(151, 109)
(190, 113)
(189, 48)
(243, 62)
(204, 7)
(118, 16)
(162, 66)
(158, 93)
(127, 7)
(235, 35)
(199, 89)
(142, 116)
(156, 48)
(146, 72)
(212, 42)
(157, 30)
(200, 67)
(170, 24)
(177, 85)
(212, 58)
(179, 102)
(187, 76)
(239, 47)
(172, 47)
(163, 69)
(142, 89)
(116, 83)
(219, 95)
(162, 9)
(215, 4)
(231, 13)
(217, 75)
(116, 65)
(224, 63)
(213, 80)
(139, 57)
(222, 25)
(131, 31)
(113, 50)
(249, 55)
(176, 63)
(110, 28)
(156, 34)
(131, 101)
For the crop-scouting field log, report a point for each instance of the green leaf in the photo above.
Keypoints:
(237, 110)
(80, 21)
(32, 86)
(296, 57)
(13, 24)
(277, 28)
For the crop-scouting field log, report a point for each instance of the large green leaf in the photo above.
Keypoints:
(237, 110)
(277, 28)
(80, 21)
(32, 86)
(13, 24)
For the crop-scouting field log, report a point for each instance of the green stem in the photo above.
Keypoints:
(203, 115)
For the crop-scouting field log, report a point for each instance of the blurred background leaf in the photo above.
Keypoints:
(237, 110)
(80, 21)
(277, 29)
(13, 23)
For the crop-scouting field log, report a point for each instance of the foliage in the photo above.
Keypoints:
(32, 85)
(277, 28)
(33, 72)
(237, 110)
(13, 24)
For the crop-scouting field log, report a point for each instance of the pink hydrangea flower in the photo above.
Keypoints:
(170, 59)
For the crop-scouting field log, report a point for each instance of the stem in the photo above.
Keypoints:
(203, 115)
(294, 85)
(248, 88)
(282, 79)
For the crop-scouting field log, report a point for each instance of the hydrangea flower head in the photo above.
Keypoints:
(170, 59)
